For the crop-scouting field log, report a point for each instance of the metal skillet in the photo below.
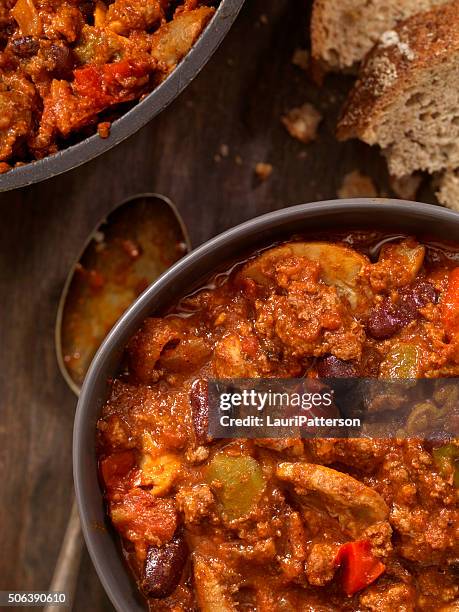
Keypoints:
(139, 115)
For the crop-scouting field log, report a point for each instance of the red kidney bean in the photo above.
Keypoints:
(384, 321)
(199, 401)
(389, 318)
(420, 294)
(62, 57)
(332, 367)
(164, 566)
(25, 46)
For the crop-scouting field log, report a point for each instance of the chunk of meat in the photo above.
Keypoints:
(355, 505)
(292, 545)
(362, 453)
(427, 537)
(17, 103)
(289, 446)
(195, 503)
(163, 428)
(260, 552)
(232, 360)
(304, 316)
(320, 564)
(185, 356)
(123, 16)
(212, 594)
(145, 348)
(389, 597)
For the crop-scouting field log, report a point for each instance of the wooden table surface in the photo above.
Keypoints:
(236, 101)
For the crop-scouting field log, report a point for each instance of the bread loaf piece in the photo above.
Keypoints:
(406, 98)
(343, 31)
(447, 190)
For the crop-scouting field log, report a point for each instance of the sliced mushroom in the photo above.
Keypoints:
(159, 472)
(172, 41)
(355, 505)
(211, 593)
(340, 266)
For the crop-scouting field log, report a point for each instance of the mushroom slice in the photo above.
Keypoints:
(172, 41)
(355, 505)
(340, 266)
(212, 594)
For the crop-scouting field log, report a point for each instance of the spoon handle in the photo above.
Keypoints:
(68, 563)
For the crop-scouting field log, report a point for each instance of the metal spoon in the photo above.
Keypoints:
(140, 239)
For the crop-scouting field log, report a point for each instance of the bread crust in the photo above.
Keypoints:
(318, 33)
(425, 41)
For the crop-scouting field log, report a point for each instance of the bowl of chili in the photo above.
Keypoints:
(384, 221)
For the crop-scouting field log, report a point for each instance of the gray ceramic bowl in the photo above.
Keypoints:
(138, 116)
(423, 220)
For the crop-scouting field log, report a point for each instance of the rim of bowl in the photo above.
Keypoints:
(130, 122)
(110, 351)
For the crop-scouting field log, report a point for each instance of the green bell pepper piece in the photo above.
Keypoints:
(238, 483)
(446, 458)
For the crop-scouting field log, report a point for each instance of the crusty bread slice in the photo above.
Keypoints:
(447, 189)
(407, 96)
(343, 31)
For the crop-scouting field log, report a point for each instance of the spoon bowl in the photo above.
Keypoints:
(126, 252)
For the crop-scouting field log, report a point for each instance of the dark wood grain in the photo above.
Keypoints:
(236, 101)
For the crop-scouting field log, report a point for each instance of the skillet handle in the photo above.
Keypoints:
(68, 562)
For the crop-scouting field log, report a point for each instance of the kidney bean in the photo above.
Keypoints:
(164, 566)
(332, 367)
(389, 318)
(25, 46)
(420, 294)
(384, 321)
(199, 401)
(63, 60)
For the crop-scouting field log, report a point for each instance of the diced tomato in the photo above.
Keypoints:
(359, 566)
(450, 304)
(119, 72)
(110, 83)
(140, 516)
(88, 84)
(115, 468)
